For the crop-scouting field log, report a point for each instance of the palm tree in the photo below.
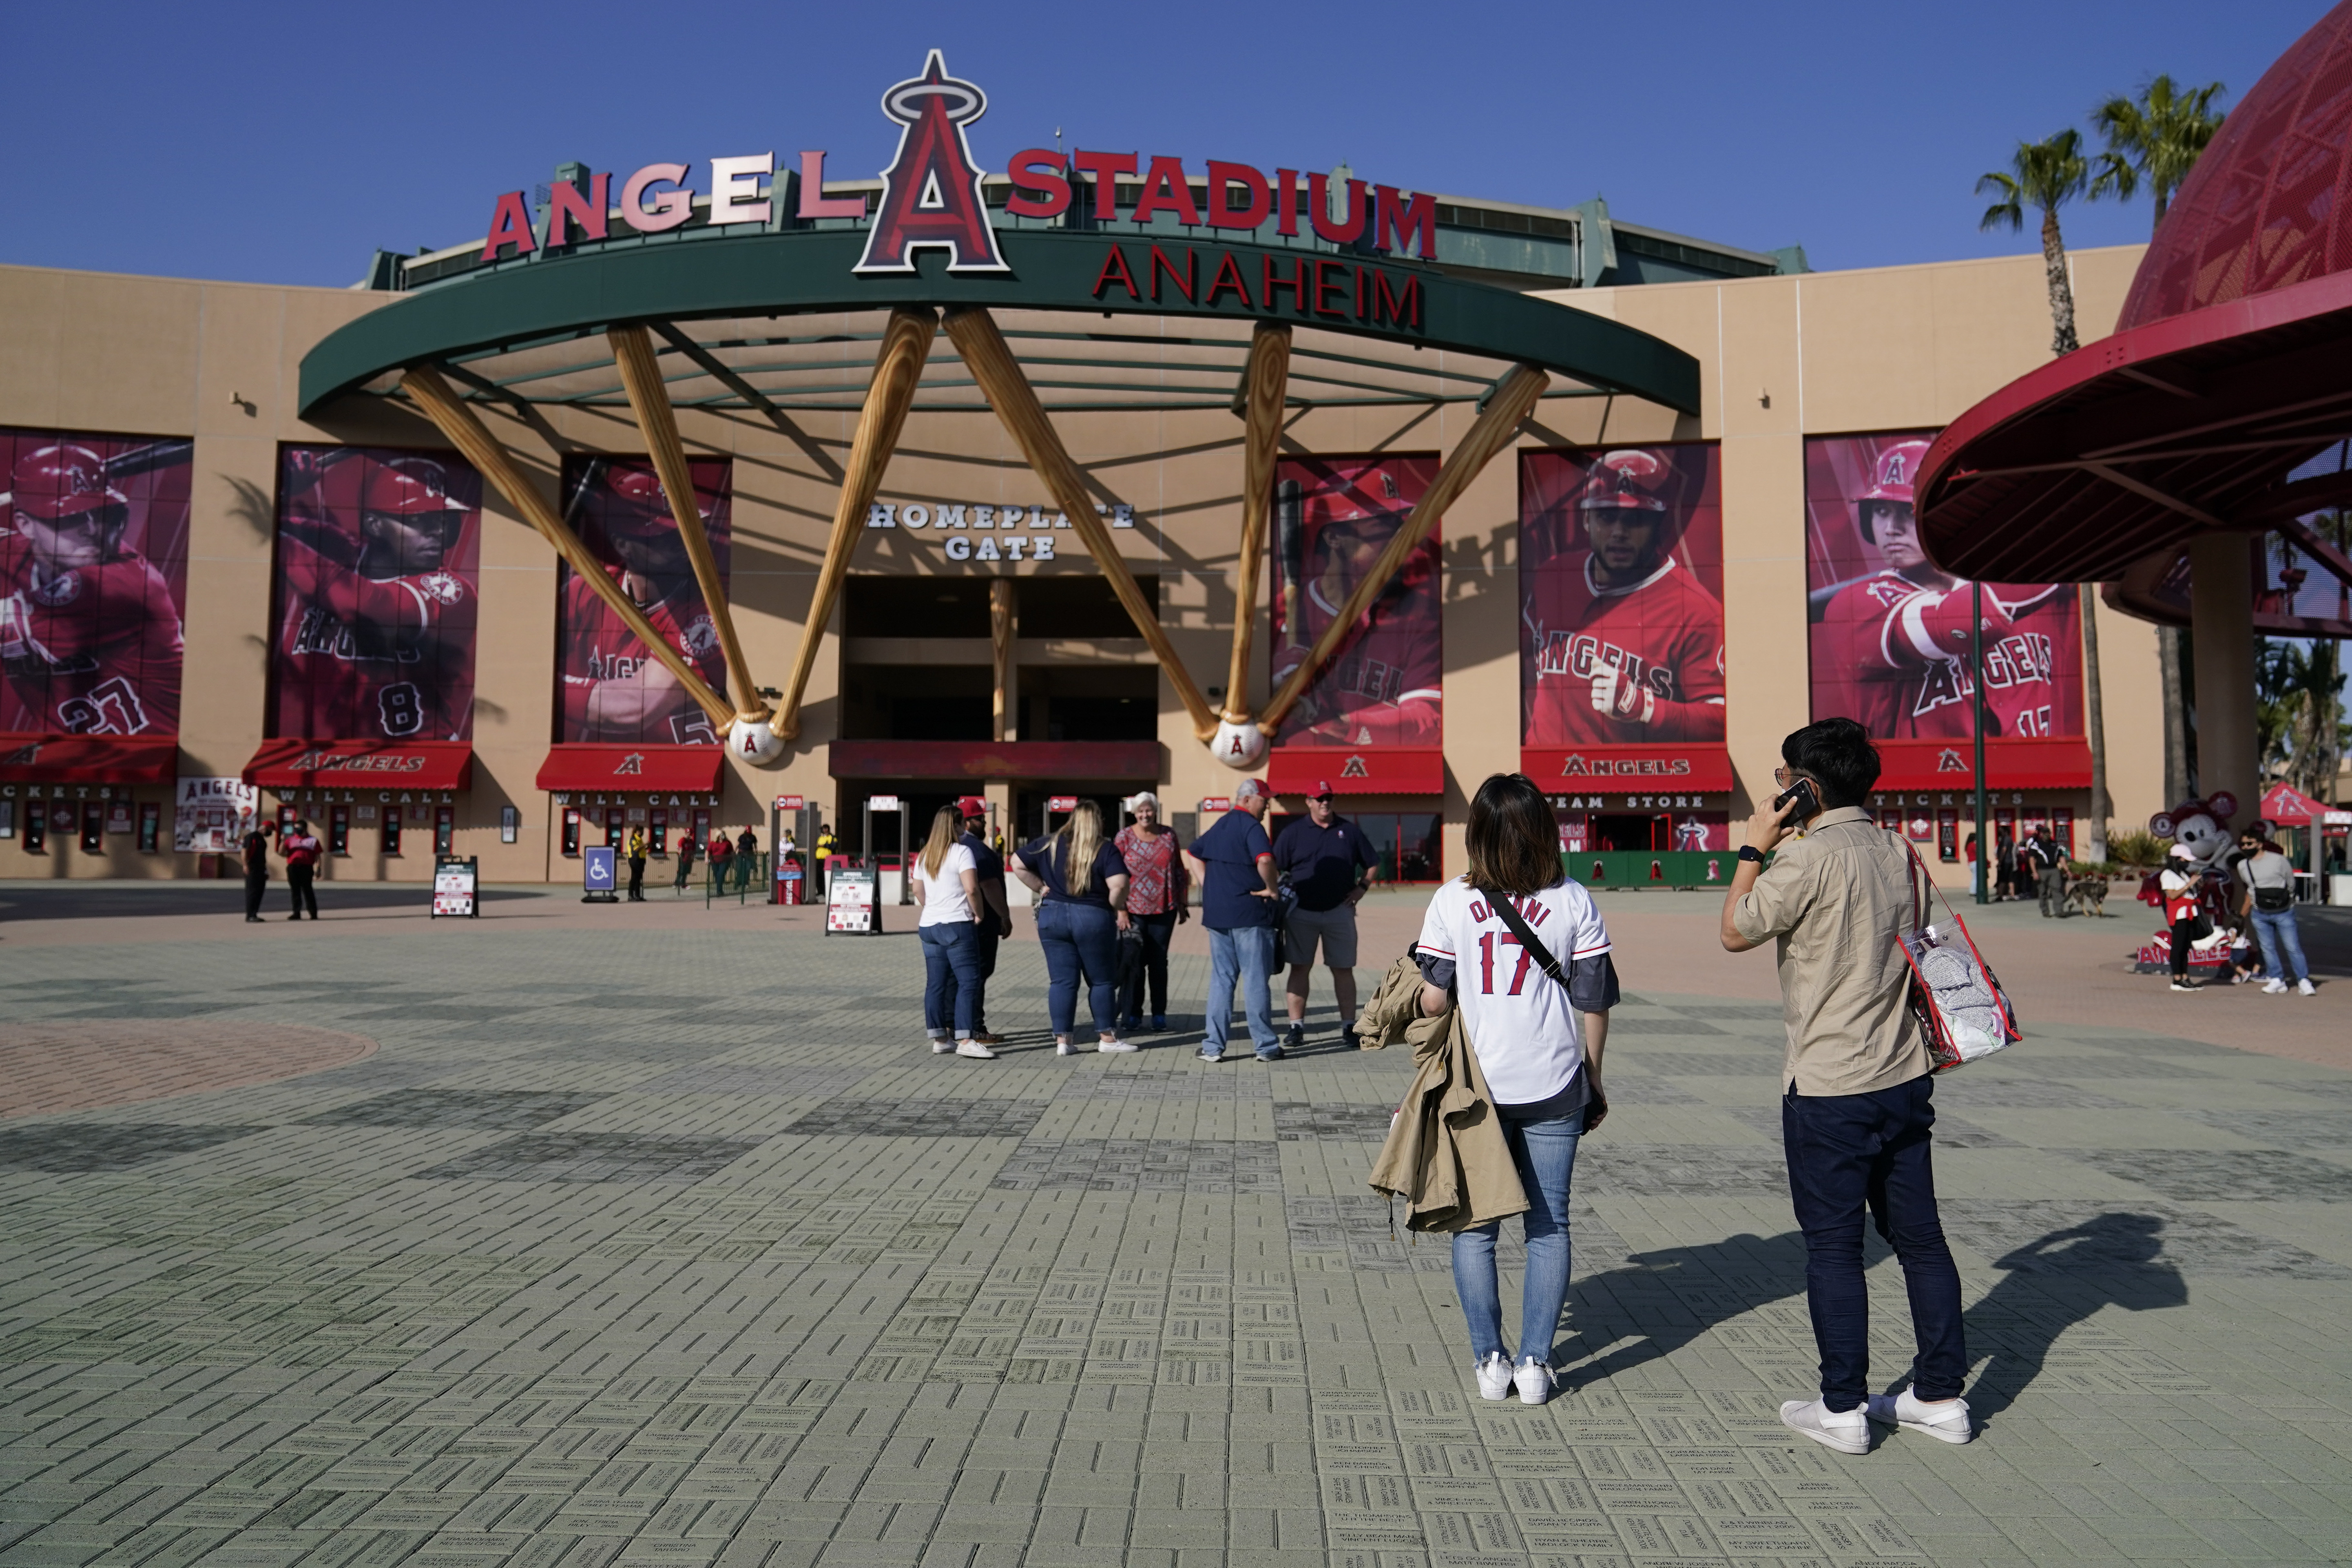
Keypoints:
(2044, 175)
(2157, 138)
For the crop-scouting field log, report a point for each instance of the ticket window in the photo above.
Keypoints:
(660, 834)
(2061, 829)
(36, 828)
(571, 831)
(702, 828)
(1947, 837)
(392, 830)
(338, 829)
(445, 829)
(93, 827)
(287, 817)
(151, 826)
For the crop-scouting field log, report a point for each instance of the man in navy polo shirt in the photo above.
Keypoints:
(1330, 863)
(1235, 866)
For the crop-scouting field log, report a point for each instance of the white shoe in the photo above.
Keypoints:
(1848, 1432)
(2305, 988)
(2184, 985)
(1535, 1380)
(1944, 1423)
(941, 1047)
(975, 1050)
(1114, 1047)
(2274, 986)
(1494, 1377)
(1064, 1048)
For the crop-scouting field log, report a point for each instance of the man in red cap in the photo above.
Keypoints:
(1627, 645)
(377, 640)
(996, 922)
(89, 638)
(1898, 641)
(613, 688)
(1330, 863)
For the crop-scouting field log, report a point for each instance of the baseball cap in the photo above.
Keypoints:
(1322, 790)
(971, 806)
(1250, 788)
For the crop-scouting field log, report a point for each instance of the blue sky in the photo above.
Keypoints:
(284, 145)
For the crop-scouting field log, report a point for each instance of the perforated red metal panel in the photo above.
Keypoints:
(2270, 203)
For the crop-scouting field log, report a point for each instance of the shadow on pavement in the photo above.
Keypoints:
(1666, 1298)
(2053, 1283)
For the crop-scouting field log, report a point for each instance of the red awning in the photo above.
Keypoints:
(1365, 769)
(356, 765)
(88, 759)
(2289, 806)
(693, 769)
(1702, 767)
(2019, 763)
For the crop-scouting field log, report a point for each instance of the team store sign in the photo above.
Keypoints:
(971, 531)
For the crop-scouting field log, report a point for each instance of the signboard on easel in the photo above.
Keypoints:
(850, 905)
(456, 884)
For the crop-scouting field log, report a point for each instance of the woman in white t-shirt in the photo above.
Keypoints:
(946, 880)
(1543, 1072)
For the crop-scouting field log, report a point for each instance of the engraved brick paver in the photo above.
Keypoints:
(606, 1257)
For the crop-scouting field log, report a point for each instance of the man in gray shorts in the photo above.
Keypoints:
(1330, 863)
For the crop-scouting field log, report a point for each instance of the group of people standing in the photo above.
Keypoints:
(2259, 907)
(2033, 867)
(301, 851)
(1108, 905)
(733, 860)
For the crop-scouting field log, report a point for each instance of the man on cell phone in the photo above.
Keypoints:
(1856, 1111)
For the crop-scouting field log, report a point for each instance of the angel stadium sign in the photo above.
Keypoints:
(933, 199)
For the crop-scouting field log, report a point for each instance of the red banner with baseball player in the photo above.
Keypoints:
(614, 690)
(1620, 617)
(1890, 639)
(93, 583)
(1333, 516)
(378, 595)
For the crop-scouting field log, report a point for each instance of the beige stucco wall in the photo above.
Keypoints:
(1781, 358)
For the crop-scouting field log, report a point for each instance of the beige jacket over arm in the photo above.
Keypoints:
(1836, 899)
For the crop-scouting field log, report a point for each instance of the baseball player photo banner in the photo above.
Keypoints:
(612, 689)
(94, 583)
(1890, 632)
(377, 594)
(1621, 603)
(1333, 516)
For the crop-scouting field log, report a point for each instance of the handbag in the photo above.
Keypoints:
(2274, 901)
(1961, 1008)
(1597, 1105)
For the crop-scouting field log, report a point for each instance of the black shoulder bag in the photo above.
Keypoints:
(1597, 1107)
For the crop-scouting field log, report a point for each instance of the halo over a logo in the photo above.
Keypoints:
(930, 191)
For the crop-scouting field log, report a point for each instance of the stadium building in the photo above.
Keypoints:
(1088, 476)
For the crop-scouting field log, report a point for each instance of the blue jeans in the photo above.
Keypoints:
(1081, 940)
(1852, 1151)
(1545, 1152)
(1246, 954)
(950, 977)
(2275, 930)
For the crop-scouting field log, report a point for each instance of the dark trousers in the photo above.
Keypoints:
(685, 870)
(298, 883)
(2180, 938)
(636, 878)
(254, 887)
(1158, 932)
(1849, 1152)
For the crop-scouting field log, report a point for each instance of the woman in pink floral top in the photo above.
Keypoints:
(1157, 890)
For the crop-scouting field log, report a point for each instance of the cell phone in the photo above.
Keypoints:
(1808, 800)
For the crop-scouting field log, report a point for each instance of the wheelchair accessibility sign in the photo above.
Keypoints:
(597, 875)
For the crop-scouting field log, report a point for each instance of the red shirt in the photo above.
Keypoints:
(365, 658)
(300, 848)
(1157, 880)
(1385, 685)
(1900, 653)
(1664, 634)
(598, 645)
(93, 651)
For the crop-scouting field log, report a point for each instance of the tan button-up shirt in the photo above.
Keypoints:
(1836, 898)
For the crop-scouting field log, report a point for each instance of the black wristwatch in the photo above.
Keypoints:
(1750, 852)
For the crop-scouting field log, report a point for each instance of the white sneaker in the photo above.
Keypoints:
(1064, 1048)
(975, 1049)
(2305, 988)
(1944, 1423)
(941, 1047)
(2274, 986)
(1848, 1432)
(1114, 1047)
(2184, 985)
(1494, 1377)
(1535, 1380)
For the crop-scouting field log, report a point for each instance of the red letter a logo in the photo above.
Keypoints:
(930, 191)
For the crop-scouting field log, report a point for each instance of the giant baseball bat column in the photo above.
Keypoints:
(468, 434)
(1513, 400)
(633, 351)
(1265, 384)
(991, 362)
(897, 371)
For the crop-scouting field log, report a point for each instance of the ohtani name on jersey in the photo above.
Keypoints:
(323, 633)
(1530, 910)
(1583, 655)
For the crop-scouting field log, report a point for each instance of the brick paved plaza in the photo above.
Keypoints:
(672, 1243)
